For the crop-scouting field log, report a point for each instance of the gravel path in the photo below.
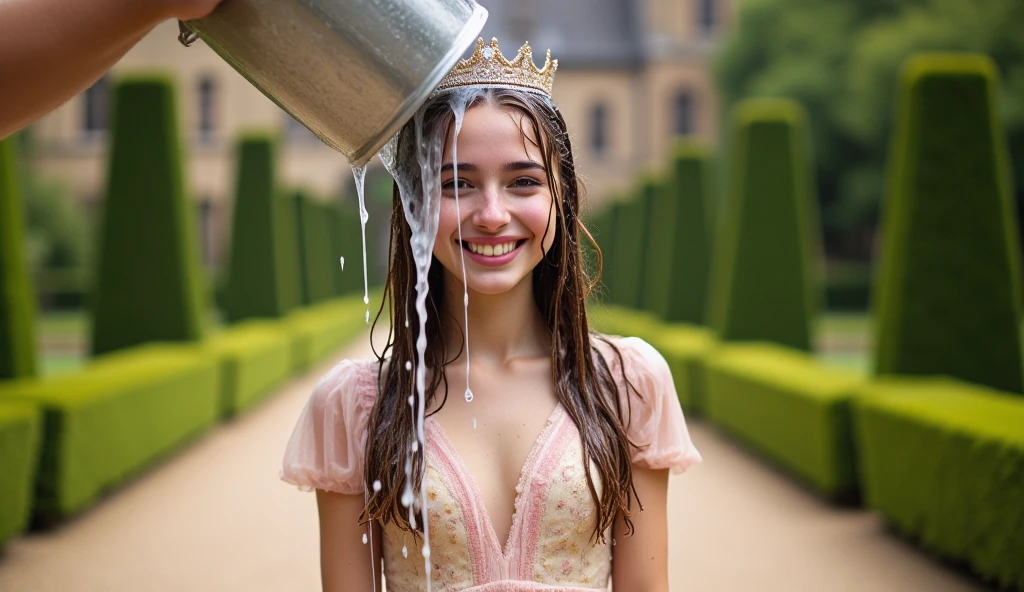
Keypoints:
(216, 518)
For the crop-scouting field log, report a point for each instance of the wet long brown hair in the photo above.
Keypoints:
(581, 376)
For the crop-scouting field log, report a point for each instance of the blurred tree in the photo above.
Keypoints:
(840, 60)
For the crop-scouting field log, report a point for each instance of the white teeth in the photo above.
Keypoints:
(492, 250)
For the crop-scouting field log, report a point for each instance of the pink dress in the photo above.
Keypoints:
(549, 546)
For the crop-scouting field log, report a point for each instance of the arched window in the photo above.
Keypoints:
(96, 105)
(599, 129)
(207, 96)
(683, 113)
(706, 16)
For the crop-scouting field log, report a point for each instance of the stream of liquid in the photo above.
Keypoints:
(419, 186)
(360, 175)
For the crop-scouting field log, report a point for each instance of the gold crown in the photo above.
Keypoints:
(487, 67)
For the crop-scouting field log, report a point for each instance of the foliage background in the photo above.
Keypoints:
(841, 59)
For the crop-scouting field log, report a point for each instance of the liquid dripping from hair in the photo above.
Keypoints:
(360, 175)
(420, 189)
(458, 106)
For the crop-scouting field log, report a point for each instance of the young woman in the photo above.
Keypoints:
(555, 474)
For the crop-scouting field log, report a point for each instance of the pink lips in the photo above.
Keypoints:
(494, 261)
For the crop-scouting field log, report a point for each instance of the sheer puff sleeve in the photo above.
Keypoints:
(655, 418)
(327, 446)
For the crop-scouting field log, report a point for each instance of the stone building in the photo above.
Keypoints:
(633, 75)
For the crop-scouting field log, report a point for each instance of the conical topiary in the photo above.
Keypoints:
(348, 243)
(660, 234)
(316, 249)
(288, 251)
(255, 285)
(629, 251)
(948, 290)
(689, 185)
(763, 287)
(17, 307)
(147, 285)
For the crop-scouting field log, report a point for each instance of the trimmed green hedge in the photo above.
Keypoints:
(690, 270)
(288, 252)
(629, 252)
(147, 286)
(316, 250)
(256, 356)
(17, 306)
(120, 414)
(949, 286)
(788, 407)
(255, 285)
(943, 460)
(20, 434)
(347, 242)
(684, 347)
(763, 285)
(655, 281)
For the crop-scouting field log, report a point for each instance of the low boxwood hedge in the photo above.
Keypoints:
(793, 410)
(943, 460)
(120, 414)
(256, 356)
(683, 346)
(20, 433)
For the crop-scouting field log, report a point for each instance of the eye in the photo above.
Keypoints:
(449, 185)
(522, 182)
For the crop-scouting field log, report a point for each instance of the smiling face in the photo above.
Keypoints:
(504, 203)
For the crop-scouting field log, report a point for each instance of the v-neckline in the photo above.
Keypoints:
(524, 474)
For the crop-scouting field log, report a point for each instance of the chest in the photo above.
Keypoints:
(495, 434)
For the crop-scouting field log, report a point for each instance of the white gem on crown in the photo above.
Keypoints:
(487, 67)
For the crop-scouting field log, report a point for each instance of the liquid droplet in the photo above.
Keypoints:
(376, 485)
(474, 423)
(411, 401)
(405, 551)
(465, 298)
(367, 316)
(364, 538)
(343, 264)
(469, 395)
(407, 498)
(366, 299)
(415, 446)
(426, 551)
(408, 365)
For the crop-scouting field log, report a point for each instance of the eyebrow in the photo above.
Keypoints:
(509, 167)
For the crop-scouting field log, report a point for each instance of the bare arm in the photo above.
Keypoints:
(640, 562)
(344, 559)
(50, 50)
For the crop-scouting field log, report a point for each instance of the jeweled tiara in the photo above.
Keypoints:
(487, 67)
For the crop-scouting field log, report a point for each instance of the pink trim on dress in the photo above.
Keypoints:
(449, 465)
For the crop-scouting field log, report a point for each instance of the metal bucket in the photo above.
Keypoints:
(352, 71)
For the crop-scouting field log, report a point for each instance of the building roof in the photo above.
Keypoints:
(579, 33)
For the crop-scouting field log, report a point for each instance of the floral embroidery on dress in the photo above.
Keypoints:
(565, 552)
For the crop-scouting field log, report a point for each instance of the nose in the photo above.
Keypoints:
(492, 213)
